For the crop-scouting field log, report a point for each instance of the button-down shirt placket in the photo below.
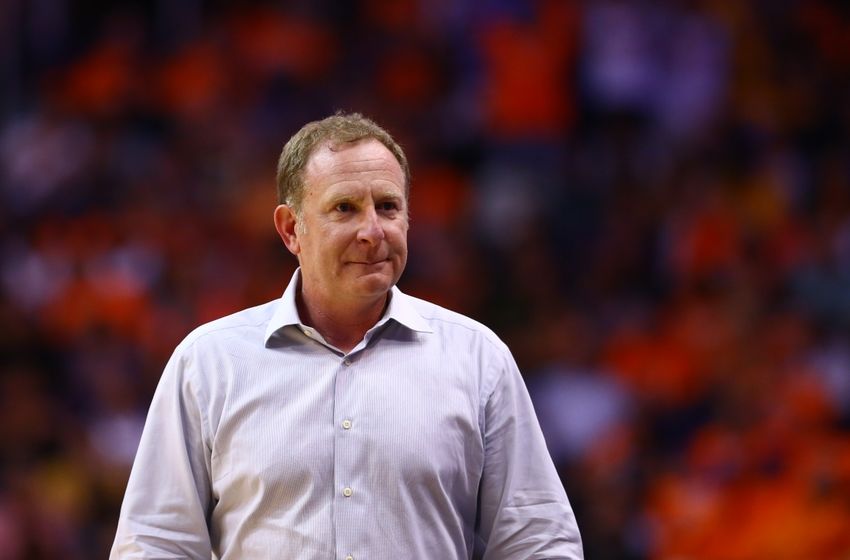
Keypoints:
(349, 494)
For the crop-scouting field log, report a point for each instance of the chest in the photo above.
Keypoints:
(304, 427)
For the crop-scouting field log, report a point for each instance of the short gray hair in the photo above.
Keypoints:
(340, 128)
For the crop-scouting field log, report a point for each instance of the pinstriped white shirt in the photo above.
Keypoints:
(263, 441)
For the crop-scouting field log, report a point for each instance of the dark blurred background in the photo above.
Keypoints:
(649, 201)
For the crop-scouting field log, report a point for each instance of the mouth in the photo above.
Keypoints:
(370, 262)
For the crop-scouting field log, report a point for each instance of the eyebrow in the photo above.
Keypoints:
(347, 197)
(389, 195)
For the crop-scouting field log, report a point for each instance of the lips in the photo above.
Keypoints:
(369, 262)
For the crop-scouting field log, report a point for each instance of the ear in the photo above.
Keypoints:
(285, 222)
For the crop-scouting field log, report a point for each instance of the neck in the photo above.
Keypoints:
(342, 324)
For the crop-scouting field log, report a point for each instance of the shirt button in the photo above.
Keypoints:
(347, 362)
(346, 424)
(347, 492)
(349, 557)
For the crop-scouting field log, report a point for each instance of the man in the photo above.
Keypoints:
(346, 420)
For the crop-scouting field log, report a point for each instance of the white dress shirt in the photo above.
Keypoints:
(264, 441)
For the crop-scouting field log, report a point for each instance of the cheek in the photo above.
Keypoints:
(396, 237)
(400, 250)
(335, 244)
(329, 235)
(399, 232)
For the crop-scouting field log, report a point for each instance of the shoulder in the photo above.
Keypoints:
(457, 326)
(246, 324)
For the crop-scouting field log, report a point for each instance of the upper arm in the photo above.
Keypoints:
(523, 509)
(167, 502)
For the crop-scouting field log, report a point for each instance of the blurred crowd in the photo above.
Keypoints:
(648, 200)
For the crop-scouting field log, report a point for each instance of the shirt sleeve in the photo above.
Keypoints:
(166, 505)
(523, 512)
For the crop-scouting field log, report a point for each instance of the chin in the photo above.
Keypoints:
(375, 284)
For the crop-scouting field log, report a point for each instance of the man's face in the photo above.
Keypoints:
(351, 235)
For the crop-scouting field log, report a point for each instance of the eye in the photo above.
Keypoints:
(344, 207)
(387, 206)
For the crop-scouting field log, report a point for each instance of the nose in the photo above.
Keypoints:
(370, 230)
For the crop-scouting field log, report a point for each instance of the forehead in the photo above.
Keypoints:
(344, 166)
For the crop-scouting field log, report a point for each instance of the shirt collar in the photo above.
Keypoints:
(400, 309)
